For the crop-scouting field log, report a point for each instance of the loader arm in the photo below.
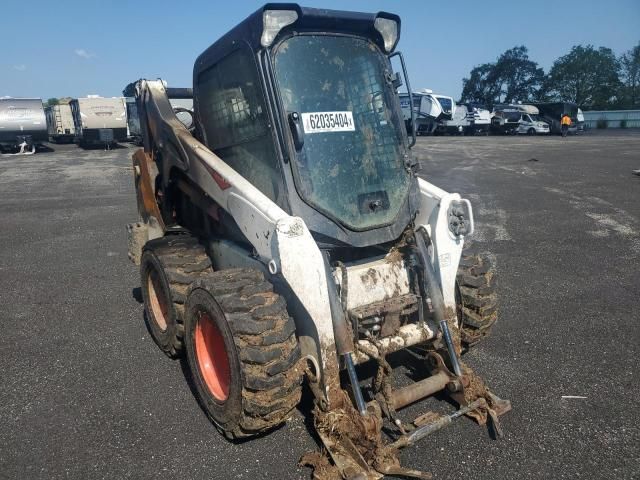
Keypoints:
(439, 212)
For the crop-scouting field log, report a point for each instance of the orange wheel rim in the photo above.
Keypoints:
(212, 357)
(157, 300)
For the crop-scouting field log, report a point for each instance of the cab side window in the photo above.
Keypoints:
(235, 122)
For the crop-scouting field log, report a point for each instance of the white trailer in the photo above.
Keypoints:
(479, 119)
(99, 120)
(468, 119)
(22, 124)
(431, 111)
(60, 125)
(459, 124)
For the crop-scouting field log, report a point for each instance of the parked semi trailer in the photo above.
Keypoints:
(60, 124)
(22, 124)
(99, 120)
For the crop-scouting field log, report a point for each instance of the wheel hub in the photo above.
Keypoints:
(212, 357)
(157, 300)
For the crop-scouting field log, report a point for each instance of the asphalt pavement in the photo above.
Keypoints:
(85, 393)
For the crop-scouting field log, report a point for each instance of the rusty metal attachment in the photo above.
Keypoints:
(428, 429)
(417, 391)
(354, 441)
(352, 435)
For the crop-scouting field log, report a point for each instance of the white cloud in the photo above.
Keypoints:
(20, 68)
(82, 53)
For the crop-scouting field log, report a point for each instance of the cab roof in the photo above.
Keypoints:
(249, 31)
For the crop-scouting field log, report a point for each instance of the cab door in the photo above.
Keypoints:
(525, 123)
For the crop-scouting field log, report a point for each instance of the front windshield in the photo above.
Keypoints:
(445, 103)
(351, 165)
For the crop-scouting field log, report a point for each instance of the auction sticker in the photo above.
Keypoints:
(321, 122)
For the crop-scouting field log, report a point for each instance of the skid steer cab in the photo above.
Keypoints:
(284, 238)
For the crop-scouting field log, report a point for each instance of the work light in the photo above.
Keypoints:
(274, 21)
(389, 30)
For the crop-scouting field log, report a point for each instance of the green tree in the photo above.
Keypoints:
(512, 78)
(480, 87)
(586, 76)
(53, 101)
(630, 63)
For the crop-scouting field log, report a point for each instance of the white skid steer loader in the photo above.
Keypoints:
(285, 237)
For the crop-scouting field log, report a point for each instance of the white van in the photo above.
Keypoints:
(530, 124)
(521, 119)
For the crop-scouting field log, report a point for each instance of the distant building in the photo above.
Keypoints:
(612, 119)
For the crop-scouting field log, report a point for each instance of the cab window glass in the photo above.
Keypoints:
(235, 123)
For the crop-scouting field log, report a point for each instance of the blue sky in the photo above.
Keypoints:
(74, 48)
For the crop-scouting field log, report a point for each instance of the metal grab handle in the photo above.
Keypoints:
(406, 79)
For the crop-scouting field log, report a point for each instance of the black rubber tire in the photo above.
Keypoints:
(476, 298)
(531, 131)
(178, 260)
(262, 348)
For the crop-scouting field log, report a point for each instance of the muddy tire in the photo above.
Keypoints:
(475, 297)
(167, 267)
(242, 352)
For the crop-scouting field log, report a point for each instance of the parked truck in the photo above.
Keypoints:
(99, 120)
(287, 237)
(60, 125)
(22, 125)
